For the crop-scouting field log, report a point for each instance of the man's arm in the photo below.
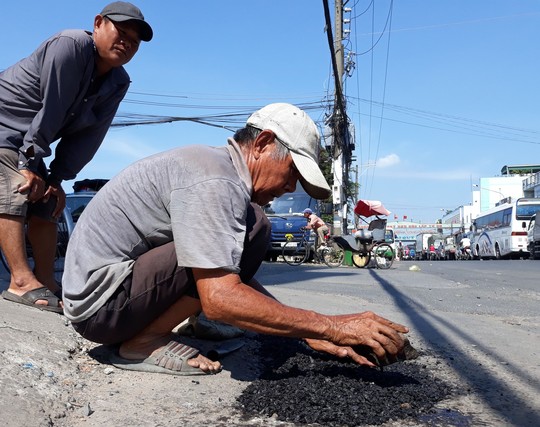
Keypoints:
(225, 298)
(62, 65)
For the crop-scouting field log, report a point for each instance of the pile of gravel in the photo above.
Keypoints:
(303, 386)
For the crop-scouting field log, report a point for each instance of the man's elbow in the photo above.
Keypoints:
(215, 308)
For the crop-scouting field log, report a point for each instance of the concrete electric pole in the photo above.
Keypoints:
(341, 154)
(339, 140)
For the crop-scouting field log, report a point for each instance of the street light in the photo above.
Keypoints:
(489, 189)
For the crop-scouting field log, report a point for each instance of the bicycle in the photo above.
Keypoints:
(296, 252)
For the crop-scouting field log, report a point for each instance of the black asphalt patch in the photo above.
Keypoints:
(303, 386)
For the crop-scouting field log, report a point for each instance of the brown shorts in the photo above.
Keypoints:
(157, 282)
(11, 201)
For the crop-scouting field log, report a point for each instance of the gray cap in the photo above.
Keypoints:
(121, 11)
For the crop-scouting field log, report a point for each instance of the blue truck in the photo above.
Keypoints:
(286, 217)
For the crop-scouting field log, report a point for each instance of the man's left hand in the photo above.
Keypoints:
(57, 191)
(338, 351)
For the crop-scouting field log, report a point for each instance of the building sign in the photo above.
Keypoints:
(409, 230)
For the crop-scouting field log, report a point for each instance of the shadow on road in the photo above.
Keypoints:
(509, 406)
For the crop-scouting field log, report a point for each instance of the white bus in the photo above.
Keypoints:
(502, 231)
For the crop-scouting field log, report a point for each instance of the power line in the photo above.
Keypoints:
(459, 124)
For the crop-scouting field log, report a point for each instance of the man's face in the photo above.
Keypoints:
(273, 178)
(116, 42)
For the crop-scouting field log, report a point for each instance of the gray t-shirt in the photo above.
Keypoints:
(197, 196)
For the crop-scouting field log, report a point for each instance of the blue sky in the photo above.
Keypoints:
(458, 80)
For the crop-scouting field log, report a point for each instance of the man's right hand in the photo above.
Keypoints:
(34, 187)
(369, 329)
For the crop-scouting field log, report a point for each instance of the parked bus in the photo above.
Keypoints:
(502, 231)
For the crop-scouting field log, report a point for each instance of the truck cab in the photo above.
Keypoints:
(286, 217)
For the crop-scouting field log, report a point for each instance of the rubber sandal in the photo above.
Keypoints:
(30, 299)
(171, 359)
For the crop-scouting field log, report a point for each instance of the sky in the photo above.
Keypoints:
(441, 93)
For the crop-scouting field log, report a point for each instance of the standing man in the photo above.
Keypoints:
(185, 233)
(68, 90)
(316, 224)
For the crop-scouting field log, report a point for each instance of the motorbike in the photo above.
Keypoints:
(368, 244)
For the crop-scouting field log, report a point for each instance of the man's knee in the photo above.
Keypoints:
(257, 226)
(256, 242)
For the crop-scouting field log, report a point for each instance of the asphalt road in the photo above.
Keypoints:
(480, 318)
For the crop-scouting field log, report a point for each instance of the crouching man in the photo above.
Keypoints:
(183, 231)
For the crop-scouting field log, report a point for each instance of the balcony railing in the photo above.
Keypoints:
(531, 182)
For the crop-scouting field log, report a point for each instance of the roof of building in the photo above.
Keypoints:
(519, 169)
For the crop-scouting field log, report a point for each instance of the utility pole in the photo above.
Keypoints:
(339, 199)
(339, 140)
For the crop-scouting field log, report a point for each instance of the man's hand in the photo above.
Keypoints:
(57, 191)
(368, 329)
(338, 351)
(34, 187)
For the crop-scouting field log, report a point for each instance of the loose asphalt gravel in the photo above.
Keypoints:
(302, 386)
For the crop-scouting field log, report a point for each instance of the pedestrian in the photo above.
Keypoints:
(68, 90)
(183, 231)
(318, 225)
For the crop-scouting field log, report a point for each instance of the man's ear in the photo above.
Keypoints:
(98, 21)
(263, 142)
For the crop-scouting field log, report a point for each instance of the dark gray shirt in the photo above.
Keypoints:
(54, 94)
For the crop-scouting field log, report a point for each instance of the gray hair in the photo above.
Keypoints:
(249, 134)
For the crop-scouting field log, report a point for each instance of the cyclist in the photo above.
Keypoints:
(316, 224)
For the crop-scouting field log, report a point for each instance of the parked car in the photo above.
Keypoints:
(83, 192)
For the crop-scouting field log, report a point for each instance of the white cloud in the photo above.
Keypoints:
(392, 166)
(387, 161)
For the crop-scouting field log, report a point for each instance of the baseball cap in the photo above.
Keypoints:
(120, 11)
(295, 129)
(308, 211)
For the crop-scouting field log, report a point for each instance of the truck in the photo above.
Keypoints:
(436, 244)
(422, 246)
(286, 216)
(450, 247)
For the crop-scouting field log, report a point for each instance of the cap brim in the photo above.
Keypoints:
(145, 30)
(312, 180)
